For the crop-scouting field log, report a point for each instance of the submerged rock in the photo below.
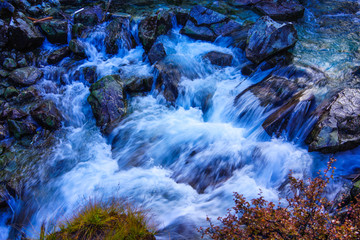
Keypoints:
(168, 80)
(23, 35)
(219, 58)
(268, 37)
(25, 76)
(338, 126)
(283, 10)
(107, 102)
(153, 26)
(118, 34)
(157, 53)
(47, 115)
(56, 31)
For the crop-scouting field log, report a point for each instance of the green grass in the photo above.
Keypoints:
(111, 220)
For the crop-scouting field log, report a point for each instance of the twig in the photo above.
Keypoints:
(106, 10)
(39, 20)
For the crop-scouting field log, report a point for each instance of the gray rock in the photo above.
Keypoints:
(168, 80)
(268, 37)
(90, 16)
(118, 35)
(23, 35)
(157, 53)
(283, 10)
(107, 102)
(243, 3)
(338, 126)
(203, 16)
(47, 115)
(219, 58)
(58, 55)
(25, 76)
(77, 47)
(56, 31)
(9, 64)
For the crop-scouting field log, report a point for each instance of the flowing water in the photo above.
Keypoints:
(181, 162)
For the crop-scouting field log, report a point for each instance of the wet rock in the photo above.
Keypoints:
(338, 126)
(283, 10)
(290, 116)
(200, 33)
(56, 31)
(107, 102)
(77, 30)
(90, 16)
(118, 35)
(243, 3)
(239, 36)
(268, 37)
(21, 128)
(13, 114)
(4, 131)
(25, 76)
(6, 9)
(225, 28)
(58, 55)
(182, 15)
(156, 53)
(168, 80)
(4, 29)
(9, 64)
(153, 26)
(21, 4)
(23, 35)
(219, 58)
(138, 84)
(202, 16)
(22, 63)
(47, 115)
(10, 92)
(90, 74)
(27, 95)
(78, 48)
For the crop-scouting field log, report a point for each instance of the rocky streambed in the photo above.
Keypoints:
(173, 105)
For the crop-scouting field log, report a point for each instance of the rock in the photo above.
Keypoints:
(47, 115)
(78, 48)
(10, 92)
(182, 15)
(239, 36)
(283, 10)
(25, 76)
(90, 74)
(13, 114)
(21, 128)
(153, 26)
(156, 53)
(27, 95)
(23, 35)
(56, 31)
(4, 30)
(58, 55)
(138, 84)
(219, 58)
(9, 64)
(225, 28)
(243, 3)
(268, 37)
(202, 16)
(107, 102)
(21, 4)
(290, 116)
(168, 80)
(175, 2)
(199, 33)
(90, 16)
(118, 35)
(77, 30)
(4, 73)
(4, 131)
(338, 126)
(6, 9)
(22, 63)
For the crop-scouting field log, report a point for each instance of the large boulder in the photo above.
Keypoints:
(107, 102)
(56, 31)
(219, 58)
(58, 55)
(283, 10)
(25, 76)
(168, 80)
(47, 115)
(267, 38)
(118, 35)
(157, 53)
(153, 26)
(23, 35)
(89, 16)
(338, 126)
